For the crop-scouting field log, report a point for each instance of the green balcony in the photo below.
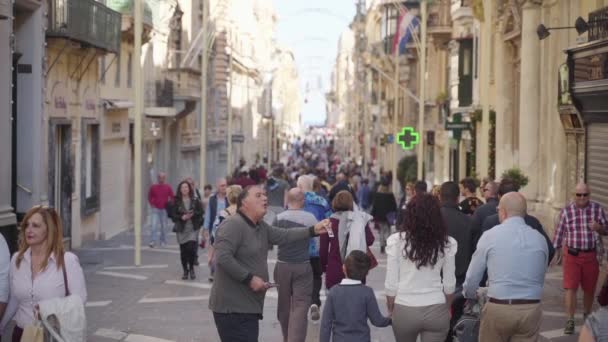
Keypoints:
(126, 8)
(85, 21)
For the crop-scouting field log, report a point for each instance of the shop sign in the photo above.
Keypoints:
(591, 68)
(114, 126)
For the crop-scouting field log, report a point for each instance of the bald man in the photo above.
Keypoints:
(516, 258)
(578, 230)
(293, 271)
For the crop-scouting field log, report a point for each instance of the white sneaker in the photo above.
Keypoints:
(315, 315)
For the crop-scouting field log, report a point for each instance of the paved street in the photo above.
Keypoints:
(151, 303)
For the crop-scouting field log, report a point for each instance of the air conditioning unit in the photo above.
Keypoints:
(5, 9)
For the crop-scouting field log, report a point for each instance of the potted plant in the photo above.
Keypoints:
(517, 176)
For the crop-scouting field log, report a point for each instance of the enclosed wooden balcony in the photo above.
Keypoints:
(87, 22)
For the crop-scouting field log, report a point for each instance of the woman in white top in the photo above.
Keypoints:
(417, 295)
(36, 272)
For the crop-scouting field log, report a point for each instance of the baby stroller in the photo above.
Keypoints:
(466, 328)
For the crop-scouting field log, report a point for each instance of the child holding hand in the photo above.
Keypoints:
(350, 304)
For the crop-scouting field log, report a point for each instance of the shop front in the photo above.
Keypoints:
(587, 80)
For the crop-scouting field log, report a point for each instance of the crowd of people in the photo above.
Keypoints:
(446, 250)
(442, 246)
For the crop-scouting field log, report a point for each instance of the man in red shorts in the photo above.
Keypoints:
(577, 231)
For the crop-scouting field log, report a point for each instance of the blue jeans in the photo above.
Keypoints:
(159, 221)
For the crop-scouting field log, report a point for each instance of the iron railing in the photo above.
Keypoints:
(598, 24)
(86, 21)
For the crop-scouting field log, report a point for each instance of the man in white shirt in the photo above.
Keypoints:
(516, 258)
(5, 262)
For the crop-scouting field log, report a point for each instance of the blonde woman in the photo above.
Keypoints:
(41, 269)
(232, 194)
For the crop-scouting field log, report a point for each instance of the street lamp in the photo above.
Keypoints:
(580, 25)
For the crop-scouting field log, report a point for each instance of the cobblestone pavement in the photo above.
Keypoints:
(151, 303)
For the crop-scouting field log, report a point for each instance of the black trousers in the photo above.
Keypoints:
(315, 263)
(237, 327)
(187, 252)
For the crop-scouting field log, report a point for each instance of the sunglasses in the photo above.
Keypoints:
(582, 195)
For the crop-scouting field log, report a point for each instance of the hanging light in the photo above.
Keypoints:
(581, 25)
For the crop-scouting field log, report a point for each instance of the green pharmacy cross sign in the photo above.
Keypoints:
(408, 138)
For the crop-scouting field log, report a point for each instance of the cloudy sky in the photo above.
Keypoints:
(311, 28)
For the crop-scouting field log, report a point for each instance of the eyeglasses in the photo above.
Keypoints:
(582, 195)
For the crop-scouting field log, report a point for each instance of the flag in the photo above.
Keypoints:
(406, 27)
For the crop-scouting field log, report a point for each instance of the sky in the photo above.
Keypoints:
(311, 29)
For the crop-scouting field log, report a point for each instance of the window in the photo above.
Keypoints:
(89, 168)
(130, 70)
(117, 70)
(102, 69)
(465, 72)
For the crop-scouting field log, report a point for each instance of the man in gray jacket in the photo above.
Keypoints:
(241, 278)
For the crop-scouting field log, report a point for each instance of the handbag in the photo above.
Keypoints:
(373, 262)
(33, 333)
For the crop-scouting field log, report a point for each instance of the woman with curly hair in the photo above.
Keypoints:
(417, 294)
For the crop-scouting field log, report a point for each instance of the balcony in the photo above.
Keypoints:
(440, 19)
(125, 7)
(598, 24)
(85, 21)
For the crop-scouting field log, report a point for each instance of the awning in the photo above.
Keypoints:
(160, 112)
(116, 104)
(180, 109)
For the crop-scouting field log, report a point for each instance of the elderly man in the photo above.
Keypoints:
(241, 277)
(293, 272)
(577, 230)
(319, 207)
(516, 258)
(490, 194)
(159, 195)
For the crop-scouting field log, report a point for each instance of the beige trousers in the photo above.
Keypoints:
(295, 296)
(510, 323)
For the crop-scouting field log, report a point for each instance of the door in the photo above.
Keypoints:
(61, 173)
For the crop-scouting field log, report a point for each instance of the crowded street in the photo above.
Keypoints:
(303, 171)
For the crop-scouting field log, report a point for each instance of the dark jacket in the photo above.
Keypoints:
(479, 217)
(178, 209)
(343, 185)
(492, 221)
(383, 203)
(459, 227)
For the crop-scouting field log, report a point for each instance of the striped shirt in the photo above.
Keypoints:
(574, 227)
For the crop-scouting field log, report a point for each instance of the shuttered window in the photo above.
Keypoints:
(597, 162)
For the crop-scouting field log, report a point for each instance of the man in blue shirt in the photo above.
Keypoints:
(516, 258)
(319, 207)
